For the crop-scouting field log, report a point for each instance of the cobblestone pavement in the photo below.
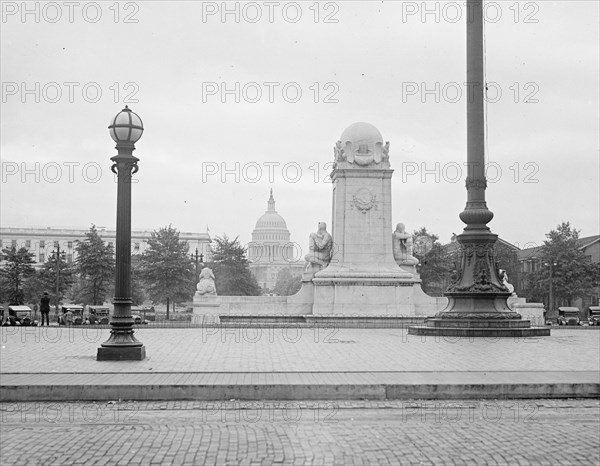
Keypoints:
(524, 432)
(61, 349)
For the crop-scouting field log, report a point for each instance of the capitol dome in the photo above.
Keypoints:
(271, 226)
(361, 133)
(271, 250)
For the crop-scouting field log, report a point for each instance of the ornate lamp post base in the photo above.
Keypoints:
(121, 345)
(121, 353)
(477, 304)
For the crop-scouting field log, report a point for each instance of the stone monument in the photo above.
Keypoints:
(367, 274)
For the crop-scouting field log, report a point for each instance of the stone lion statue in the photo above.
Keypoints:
(206, 285)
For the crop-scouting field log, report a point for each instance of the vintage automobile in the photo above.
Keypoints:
(594, 316)
(99, 315)
(76, 317)
(568, 316)
(20, 315)
(143, 314)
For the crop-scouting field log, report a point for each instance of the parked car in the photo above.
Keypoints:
(568, 316)
(76, 316)
(99, 314)
(144, 314)
(20, 315)
(594, 316)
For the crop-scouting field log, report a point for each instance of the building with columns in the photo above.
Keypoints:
(271, 249)
(43, 241)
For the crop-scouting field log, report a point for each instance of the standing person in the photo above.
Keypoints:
(45, 308)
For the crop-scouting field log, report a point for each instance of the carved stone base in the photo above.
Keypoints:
(474, 315)
(121, 353)
(370, 296)
(466, 331)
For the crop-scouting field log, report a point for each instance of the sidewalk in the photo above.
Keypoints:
(53, 363)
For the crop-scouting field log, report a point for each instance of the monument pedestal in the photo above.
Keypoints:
(364, 296)
(206, 309)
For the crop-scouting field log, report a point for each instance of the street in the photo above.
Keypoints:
(317, 432)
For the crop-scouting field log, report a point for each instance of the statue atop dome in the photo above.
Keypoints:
(361, 145)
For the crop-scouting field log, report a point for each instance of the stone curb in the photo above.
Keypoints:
(157, 387)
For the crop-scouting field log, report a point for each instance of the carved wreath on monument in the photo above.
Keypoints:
(364, 200)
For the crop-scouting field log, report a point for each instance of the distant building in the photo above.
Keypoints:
(271, 249)
(530, 261)
(43, 241)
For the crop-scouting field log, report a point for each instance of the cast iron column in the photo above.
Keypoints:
(122, 345)
(478, 292)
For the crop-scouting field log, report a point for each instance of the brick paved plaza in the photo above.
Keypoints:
(459, 431)
(524, 432)
(61, 349)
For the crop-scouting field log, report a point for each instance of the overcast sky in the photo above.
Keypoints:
(351, 60)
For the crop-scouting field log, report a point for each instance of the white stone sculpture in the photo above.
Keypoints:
(206, 285)
(504, 278)
(319, 246)
(402, 244)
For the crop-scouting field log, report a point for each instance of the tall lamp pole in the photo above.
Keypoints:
(126, 129)
(477, 298)
(57, 255)
(195, 258)
(551, 297)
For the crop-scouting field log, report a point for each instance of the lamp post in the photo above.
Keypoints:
(195, 258)
(477, 298)
(125, 128)
(57, 256)
(478, 292)
(551, 265)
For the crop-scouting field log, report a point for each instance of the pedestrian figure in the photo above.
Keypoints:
(45, 308)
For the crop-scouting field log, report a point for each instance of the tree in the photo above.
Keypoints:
(287, 283)
(96, 267)
(564, 266)
(166, 268)
(436, 264)
(230, 266)
(47, 277)
(17, 268)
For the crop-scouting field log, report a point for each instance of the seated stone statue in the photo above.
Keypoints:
(206, 285)
(504, 278)
(319, 247)
(402, 245)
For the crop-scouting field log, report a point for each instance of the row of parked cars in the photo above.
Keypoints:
(100, 315)
(74, 315)
(570, 316)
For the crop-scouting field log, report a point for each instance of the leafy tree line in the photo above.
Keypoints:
(564, 267)
(164, 273)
